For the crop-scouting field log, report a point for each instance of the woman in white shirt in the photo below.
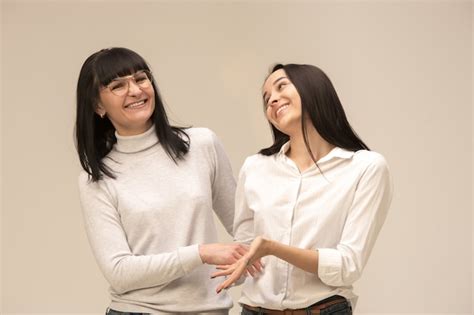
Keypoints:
(311, 204)
(148, 192)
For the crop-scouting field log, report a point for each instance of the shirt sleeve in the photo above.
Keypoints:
(243, 221)
(343, 265)
(123, 270)
(223, 186)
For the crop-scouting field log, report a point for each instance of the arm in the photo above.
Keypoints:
(223, 195)
(305, 259)
(243, 220)
(342, 265)
(223, 185)
(124, 270)
(243, 233)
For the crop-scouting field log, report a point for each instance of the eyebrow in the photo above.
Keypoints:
(275, 82)
(128, 76)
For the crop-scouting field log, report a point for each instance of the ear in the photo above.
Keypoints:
(100, 110)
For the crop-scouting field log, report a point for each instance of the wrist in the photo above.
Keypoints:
(202, 250)
(269, 247)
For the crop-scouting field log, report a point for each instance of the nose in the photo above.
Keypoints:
(133, 88)
(274, 98)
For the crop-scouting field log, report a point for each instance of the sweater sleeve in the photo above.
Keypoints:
(223, 186)
(343, 265)
(123, 270)
(243, 222)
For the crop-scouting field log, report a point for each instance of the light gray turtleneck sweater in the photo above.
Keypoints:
(144, 227)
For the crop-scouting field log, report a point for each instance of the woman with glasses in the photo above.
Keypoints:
(312, 203)
(148, 191)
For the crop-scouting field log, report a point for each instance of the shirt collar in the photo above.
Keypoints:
(336, 152)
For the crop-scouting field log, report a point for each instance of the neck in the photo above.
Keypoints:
(298, 151)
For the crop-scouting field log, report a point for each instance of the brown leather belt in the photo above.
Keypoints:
(314, 309)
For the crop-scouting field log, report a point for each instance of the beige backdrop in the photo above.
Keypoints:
(403, 70)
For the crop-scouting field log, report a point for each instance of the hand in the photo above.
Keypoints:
(222, 254)
(250, 263)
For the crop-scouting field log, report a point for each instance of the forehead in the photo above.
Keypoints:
(280, 73)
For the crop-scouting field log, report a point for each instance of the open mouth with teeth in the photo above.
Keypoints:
(280, 109)
(137, 104)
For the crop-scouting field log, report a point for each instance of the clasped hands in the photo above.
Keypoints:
(248, 263)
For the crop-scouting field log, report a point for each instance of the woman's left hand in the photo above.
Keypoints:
(250, 263)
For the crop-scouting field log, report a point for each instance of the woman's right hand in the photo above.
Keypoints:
(248, 263)
(222, 254)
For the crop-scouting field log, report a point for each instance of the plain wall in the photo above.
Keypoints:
(403, 71)
(1, 155)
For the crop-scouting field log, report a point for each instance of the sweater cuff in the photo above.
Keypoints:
(189, 258)
(329, 266)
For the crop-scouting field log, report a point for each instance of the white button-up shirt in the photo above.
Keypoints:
(339, 213)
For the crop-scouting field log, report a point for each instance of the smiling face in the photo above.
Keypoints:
(282, 103)
(131, 112)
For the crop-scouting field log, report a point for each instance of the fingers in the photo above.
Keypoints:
(242, 249)
(224, 285)
(258, 265)
(251, 270)
(236, 255)
(239, 250)
(222, 273)
(227, 254)
(229, 282)
(236, 274)
(255, 268)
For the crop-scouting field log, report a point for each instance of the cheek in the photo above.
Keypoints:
(297, 101)
(153, 104)
(106, 103)
(268, 113)
(151, 95)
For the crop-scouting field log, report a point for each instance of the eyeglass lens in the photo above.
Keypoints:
(120, 86)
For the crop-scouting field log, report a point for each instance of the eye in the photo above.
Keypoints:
(265, 101)
(141, 78)
(281, 85)
(117, 85)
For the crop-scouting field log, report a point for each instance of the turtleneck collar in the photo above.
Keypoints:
(137, 143)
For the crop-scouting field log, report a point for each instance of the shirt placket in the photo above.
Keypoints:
(287, 239)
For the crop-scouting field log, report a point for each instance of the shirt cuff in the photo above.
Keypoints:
(329, 266)
(189, 258)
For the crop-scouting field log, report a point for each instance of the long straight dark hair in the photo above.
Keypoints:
(95, 136)
(319, 100)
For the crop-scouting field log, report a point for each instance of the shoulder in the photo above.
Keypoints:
(205, 144)
(369, 158)
(86, 184)
(201, 135)
(371, 162)
(256, 162)
(83, 179)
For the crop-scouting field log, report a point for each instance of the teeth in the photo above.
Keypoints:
(280, 109)
(136, 104)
